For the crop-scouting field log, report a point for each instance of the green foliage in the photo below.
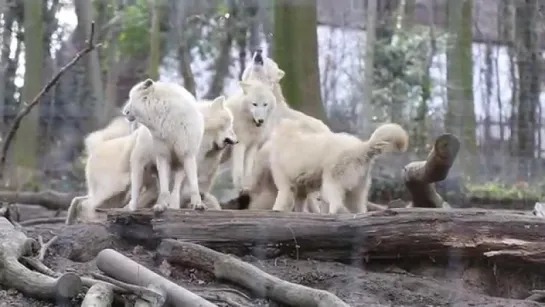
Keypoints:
(500, 191)
(134, 36)
(401, 61)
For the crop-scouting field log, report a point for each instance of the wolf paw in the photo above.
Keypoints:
(159, 208)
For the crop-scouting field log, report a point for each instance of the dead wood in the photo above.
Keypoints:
(155, 295)
(420, 176)
(14, 245)
(90, 46)
(48, 199)
(42, 220)
(387, 234)
(141, 302)
(124, 269)
(229, 268)
(45, 246)
(99, 295)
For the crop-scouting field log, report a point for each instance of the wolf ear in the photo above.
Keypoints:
(279, 74)
(218, 103)
(245, 85)
(147, 83)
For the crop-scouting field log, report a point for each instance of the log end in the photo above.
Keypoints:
(447, 147)
(68, 285)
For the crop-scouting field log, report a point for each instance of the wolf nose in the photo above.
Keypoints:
(260, 121)
(230, 141)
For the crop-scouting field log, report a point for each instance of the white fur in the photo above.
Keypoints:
(253, 111)
(118, 127)
(262, 190)
(338, 164)
(170, 113)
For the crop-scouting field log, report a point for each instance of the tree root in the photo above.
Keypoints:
(124, 269)
(228, 267)
(43, 220)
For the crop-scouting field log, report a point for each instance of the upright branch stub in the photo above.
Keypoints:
(420, 176)
(89, 46)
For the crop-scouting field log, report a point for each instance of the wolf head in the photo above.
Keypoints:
(219, 124)
(259, 100)
(263, 69)
(138, 95)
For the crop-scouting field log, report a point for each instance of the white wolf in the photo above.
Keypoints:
(119, 126)
(170, 112)
(261, 193)
(253, 112)
(218, 134)
(108, 168)
(339, 164)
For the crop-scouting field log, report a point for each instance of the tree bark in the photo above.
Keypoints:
(296, 52)
(239, 272)
(99, 295)
(388, 234)
(155, 39)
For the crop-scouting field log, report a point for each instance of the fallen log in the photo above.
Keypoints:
(387, 234)
(229, 268)
(420, 176)
(99, 295)
(142, 302)
(124, 269)
(48, 199)
(14, 245)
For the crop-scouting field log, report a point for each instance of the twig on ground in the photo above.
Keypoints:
(45, 246)
(90, 46)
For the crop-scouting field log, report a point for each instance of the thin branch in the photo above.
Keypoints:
(90, 46)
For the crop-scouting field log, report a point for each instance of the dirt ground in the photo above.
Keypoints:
(376, 284)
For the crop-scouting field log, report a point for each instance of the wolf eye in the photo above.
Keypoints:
(255, 104)
(265, 104)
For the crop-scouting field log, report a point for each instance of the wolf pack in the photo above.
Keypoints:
(167, 147)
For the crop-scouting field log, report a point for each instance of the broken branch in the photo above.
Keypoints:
(14, 245)
(420, 176)
(99, 295)
(124, 269)
(51, 200)
(228, 267)
(90, 46)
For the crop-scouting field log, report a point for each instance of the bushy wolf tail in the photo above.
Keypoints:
(118, 127)
(387, 138)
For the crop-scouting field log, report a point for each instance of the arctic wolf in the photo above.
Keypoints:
(218, 135)
(338, 164)
(170, 112)
(253, 121)
(261, 192)
(119, 126)
(108, 169)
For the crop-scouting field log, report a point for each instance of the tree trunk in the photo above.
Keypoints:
(26, 139)
(180, 11)
(369, 62)
(85, 13)
(296, 52)
(155, 39)
(8, 18)
(528, 63)
(460, 118)
(388, 234)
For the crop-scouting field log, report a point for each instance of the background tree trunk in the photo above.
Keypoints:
(369, 62)
(529, 69)
(155, 39)
(26, 139)
(460, 118)
(296, 51)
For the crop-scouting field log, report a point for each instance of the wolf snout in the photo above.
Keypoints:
(130, 117)
(259, 122)
(230, 141)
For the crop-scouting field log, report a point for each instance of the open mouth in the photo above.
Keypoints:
(130, 118)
